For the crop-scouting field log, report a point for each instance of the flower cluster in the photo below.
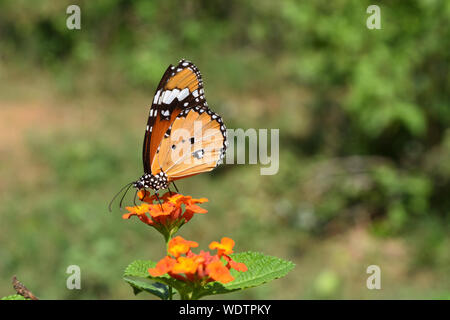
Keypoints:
(165, 213)
(182, 264)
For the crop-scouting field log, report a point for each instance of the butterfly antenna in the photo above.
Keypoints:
(110, 203)
(125, 193)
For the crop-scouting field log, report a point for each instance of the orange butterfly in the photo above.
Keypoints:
(183, 136)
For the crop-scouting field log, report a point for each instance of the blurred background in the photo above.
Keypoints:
(364, 119)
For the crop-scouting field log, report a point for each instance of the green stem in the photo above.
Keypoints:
(170, 293)
(167, 237)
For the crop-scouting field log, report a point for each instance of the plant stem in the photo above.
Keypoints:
(167, 239)
(170, 293)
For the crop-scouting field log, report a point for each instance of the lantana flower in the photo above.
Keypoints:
(224, 249)
(182, 264)
(165, 214)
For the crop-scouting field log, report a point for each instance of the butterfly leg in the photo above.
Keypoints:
(134, 200)
(173, 182)
(159, 200)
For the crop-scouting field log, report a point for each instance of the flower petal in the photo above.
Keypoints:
(185, 265)
(178, 246)
(224, 247)
(239, 266)
(195, 208)
(218, 272)
(162, 267)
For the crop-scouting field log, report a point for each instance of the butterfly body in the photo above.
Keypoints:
(183, 136)
(154, 182)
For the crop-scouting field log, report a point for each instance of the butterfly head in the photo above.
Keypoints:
(155, 182)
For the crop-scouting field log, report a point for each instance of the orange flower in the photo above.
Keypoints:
(162, 267)
(140, 212)
(168, 216)
(239, 266)
(178, 246)
(185, 265)
(219, 272)
(200, 268)
(225, 247)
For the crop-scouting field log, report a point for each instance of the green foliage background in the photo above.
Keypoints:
(364, 119)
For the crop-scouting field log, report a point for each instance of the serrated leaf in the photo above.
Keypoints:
(158, 289)
(139, 269)
(14, 297)
(261, 269)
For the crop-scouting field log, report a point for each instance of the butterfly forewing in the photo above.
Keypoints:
(180, 88)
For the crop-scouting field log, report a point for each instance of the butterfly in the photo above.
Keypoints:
(183, 136)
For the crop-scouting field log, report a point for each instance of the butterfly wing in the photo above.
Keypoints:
(195, 143)
(181, 87)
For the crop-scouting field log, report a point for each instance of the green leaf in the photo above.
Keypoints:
(158, 289)
(139, 269)
(261, 269)
(14, 297)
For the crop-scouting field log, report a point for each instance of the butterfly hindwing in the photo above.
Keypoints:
(195, 143)
(180, 88)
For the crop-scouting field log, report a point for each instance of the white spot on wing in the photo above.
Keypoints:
(168, 97)
(198, 154)
(155, 99)
(183, 94)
